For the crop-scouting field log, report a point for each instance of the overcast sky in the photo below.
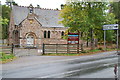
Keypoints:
(53, 4)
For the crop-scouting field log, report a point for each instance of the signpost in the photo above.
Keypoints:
(110, 27)
(73, 38)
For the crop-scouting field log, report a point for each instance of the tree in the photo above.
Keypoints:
(115, 8)
(10, 3)
(6, 12)
(5, 28)
(0, 27)
(6, 9)
(86, 17)
(5, 21)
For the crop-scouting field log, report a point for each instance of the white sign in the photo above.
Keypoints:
(110, 27)
(40, 51)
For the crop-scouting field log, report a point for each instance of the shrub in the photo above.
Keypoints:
(100, 48)
(5, 56)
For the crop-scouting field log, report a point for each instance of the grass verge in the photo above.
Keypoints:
(4, 58)
(85, 52)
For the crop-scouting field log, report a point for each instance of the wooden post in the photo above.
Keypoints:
(56, 47)
(67, 44)
(43, 48)
(78, 43)
(81, 47)
(12, 48)
(77, 48)
(67, 48)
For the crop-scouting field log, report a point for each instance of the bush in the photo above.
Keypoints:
(83, 51)
(100, 48)
(5, 56)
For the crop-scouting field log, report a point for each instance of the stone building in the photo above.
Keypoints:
(32, 25)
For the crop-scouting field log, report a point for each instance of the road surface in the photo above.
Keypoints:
(92, 66)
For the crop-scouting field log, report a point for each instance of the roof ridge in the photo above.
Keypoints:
(38, 8)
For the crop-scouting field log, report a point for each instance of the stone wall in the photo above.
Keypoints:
(54, 41)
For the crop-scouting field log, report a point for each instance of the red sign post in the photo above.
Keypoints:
(73, 38)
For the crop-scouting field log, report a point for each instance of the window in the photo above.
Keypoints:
(48, 34)
(45, 34)
(30, 8)
(62, 34)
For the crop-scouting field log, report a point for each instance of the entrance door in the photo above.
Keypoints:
(30, 40)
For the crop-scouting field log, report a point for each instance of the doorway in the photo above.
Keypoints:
(30, 40)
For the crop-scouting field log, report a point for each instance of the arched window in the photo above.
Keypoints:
(62, 34)
(45, 34)
(48, 34)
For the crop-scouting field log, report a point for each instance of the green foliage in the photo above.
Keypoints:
(94, 50)
(115, 8)
(5, 21)
(0, 27)
(4, 28)
(11, 2)
(4, 56)
(100, 48)
(110, 35)
(6, 12)
(87, 16)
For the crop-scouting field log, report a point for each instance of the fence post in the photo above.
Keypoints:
(12, 48)
(56, 47)
(67, 48)
(77, 48)
(81, 46)
(43, 48)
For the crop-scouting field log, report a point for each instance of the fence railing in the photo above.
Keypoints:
(61, 48)
(49, 48)
(6, 49)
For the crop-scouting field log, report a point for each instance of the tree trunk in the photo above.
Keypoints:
(87, 42)
(92, 39)
(119, 37)
(96, 42)
(82, 42)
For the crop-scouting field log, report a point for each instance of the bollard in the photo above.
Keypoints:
(115, 71)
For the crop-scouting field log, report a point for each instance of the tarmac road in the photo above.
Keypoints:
(92, 66)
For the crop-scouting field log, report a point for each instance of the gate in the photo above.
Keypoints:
(61, 48)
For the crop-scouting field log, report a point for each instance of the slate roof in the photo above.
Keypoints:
(47, 17)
